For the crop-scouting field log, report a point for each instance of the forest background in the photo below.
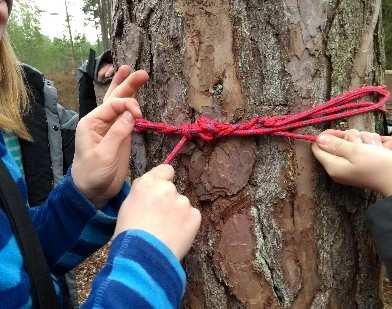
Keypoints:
(59, 57)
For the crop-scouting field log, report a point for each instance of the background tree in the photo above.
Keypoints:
(387, 19)
(100, 11)
(38, 50)
(71, 40)
(53, 57)
(276, 231)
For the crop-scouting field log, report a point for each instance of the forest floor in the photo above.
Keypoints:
(87, 271)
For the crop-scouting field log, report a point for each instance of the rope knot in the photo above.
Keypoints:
(207, 128)
(186, 130)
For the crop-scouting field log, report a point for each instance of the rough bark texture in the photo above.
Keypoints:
(276, 232)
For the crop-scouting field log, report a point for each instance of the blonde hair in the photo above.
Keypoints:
(13, 92)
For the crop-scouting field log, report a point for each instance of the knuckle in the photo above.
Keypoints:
(196, 214)
(376, 137)
(146, 178)
(137, 182)
(82, 123)
(106, 158)
(167, 188)
(132, 101)
(118, 129)
(170, 187)
(195, 218)
(353, 131)
(339, 146)
(167, 169)
(183, 201)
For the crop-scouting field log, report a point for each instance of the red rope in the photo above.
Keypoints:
(209, 129)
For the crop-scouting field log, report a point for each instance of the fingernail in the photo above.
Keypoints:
(127, 116)
(323, 139)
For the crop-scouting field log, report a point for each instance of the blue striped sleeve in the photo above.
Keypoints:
(70, 227)
(140, 271)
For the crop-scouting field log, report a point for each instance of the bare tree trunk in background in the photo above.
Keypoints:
(109, 12)
(105, 21)
(67, 20)
(276, 232)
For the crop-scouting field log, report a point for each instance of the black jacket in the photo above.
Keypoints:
(48, 156)
(380, 224)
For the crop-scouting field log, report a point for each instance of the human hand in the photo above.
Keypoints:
(103, 139)
(155, 206)
(105, 72)
(359, 159)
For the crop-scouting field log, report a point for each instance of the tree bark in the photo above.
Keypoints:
(276, 231)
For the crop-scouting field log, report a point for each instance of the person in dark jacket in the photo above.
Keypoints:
(93, 78)
(364, 160)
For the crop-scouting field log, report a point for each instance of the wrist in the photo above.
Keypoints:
(90, 195)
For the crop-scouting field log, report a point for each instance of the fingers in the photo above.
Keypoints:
(122, 73)
(364, 137)
(337, 133)
(357, 137)
(326, 159)
(353, 136)
(163, 171)
(131, 105)
(109, 112)
(387, 142)
(119, 132)
(183, 201)
(333, 164)
(371, 138)
(335, 146)
(129, 86)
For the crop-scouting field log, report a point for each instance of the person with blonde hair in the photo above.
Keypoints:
(155, 224)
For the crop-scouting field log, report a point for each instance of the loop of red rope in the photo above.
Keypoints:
(209, 129)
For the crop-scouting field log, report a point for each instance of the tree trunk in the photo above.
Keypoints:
(104, 13)
(276, 231)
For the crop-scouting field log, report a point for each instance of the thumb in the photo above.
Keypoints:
(163, 171)
(335, 145)
(118, 132)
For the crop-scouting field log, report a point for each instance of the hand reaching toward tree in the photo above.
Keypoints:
(103, 139)
(155, 206)
(359, 159)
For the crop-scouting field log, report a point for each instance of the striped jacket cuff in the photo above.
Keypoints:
(156, 261)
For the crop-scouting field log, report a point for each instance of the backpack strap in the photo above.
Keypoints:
(44, 296)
